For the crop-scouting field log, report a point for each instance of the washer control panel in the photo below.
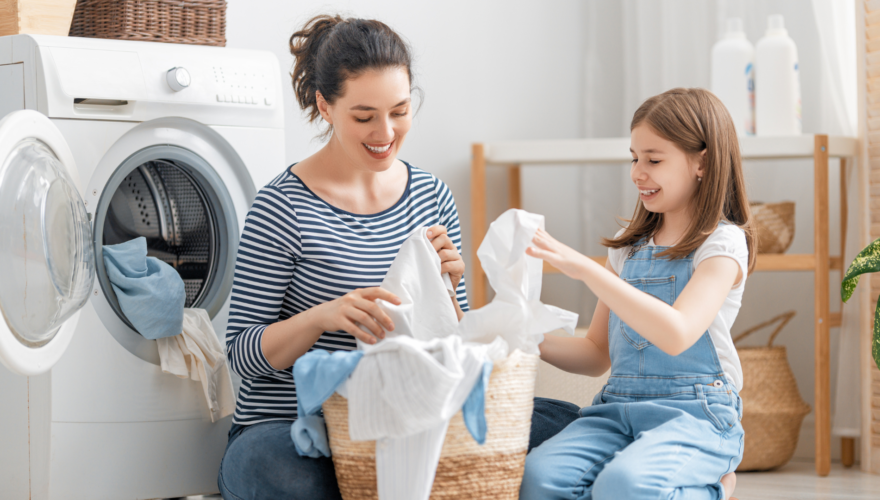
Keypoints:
(242, 85)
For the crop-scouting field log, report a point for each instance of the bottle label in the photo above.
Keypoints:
(750, 115)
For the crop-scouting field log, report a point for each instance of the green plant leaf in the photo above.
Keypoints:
(875, 341)
(867, 261)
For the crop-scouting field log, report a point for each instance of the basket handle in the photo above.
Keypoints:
(784, 317)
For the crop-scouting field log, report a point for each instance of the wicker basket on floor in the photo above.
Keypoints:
(195, 22)
(774, 223)
(466, 470)
(772, 405)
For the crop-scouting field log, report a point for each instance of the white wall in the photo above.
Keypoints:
(489, 70)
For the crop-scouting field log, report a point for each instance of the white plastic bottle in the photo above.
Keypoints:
(733, 76)
(777, 85)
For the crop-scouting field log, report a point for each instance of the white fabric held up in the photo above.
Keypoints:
(407, 387)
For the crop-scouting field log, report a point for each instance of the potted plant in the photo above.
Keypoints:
(867, 261)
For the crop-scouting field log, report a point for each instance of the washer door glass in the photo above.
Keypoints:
(46, 253)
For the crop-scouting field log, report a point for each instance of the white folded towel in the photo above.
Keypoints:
(197, 353)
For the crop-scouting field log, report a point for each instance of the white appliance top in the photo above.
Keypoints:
(96, 79)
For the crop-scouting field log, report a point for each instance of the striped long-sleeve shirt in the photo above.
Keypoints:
(296, 252)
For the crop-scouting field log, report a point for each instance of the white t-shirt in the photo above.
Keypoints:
(729, 241)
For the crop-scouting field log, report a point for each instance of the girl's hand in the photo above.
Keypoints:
(357, 307)
(450, 260)
(560, 256)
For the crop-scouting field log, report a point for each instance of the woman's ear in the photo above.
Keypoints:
(323, 107)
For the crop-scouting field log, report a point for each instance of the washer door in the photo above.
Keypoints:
(46, 252)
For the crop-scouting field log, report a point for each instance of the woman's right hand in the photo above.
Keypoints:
(358, 307)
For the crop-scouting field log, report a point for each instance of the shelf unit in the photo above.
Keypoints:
(513, 155)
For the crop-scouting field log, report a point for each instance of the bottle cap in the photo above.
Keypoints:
(775, 23)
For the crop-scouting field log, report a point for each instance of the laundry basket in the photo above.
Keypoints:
(774, 223)
(466, 470)
(198, 22)
(772, 405)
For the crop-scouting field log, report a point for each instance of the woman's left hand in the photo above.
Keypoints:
(450, 260)
(562, 257)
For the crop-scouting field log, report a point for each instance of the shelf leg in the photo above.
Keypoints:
(514, 187)
(821, 292)
(478, 224)
(847, 451)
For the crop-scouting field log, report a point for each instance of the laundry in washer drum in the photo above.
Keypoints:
(163, 203)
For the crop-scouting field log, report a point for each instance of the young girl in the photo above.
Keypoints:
(667, 423)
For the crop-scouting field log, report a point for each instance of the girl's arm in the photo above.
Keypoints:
(584, 356)
(674, 328)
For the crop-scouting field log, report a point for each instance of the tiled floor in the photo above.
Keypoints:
(798, 480)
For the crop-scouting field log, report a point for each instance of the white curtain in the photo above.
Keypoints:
(836, 24)
(640, 48)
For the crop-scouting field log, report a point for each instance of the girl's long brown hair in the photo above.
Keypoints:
(694, 120)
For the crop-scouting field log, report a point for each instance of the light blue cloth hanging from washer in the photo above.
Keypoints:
(150, 292)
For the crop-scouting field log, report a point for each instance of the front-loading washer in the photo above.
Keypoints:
(98, 146)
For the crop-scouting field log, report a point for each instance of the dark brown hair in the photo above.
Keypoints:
(695, 120)
(329, 50)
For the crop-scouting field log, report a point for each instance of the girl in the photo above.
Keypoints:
(667, 423)
(319, 240)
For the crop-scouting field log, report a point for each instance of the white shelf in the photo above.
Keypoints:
(616, 149)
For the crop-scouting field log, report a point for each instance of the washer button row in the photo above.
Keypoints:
(239, 99)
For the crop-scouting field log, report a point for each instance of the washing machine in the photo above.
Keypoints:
(102, 141)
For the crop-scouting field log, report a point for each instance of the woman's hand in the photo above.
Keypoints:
(357, 307)
(562, 257)
(450, 260)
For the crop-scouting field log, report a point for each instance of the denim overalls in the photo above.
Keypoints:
(662, 427)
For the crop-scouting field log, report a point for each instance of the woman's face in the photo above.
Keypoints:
(665, 176)
(372, 117)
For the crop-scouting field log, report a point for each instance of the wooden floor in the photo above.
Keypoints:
(795, 481)
(798, 480)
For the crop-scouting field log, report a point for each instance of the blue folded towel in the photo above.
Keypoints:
(149, 291)
(309, 436)
(317, 374)
(474, 410)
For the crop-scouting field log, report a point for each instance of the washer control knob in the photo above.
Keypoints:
(178, 78)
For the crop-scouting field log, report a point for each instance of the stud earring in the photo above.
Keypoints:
(699, 179)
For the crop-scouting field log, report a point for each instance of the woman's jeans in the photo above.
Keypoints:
(261, 462)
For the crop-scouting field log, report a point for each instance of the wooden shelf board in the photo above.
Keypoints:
(766, 262)
(613, 150)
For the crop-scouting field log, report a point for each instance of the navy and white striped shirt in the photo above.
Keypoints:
(296, 252)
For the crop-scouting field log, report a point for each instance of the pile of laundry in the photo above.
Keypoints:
(403, 390)
(151, 294)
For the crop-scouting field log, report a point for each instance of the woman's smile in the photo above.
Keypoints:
(379, 151)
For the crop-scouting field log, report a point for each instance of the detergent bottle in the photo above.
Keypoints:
(777, 85)
(733, 76)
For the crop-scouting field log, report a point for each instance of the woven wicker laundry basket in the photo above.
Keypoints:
(774, 223)
(466, 470)
(772, 405)
(197, 22)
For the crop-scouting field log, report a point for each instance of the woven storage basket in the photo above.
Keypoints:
(196, 22)
(774, 223)
(772, 405)
(466, 470)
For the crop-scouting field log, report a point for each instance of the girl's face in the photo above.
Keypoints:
(665, 176)
(372, 117)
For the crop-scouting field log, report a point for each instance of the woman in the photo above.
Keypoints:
(318, 242)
